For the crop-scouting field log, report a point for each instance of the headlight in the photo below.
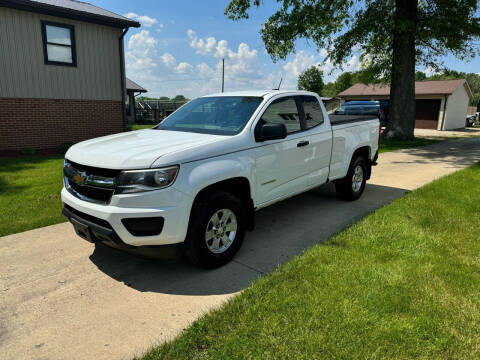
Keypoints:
(133, 181)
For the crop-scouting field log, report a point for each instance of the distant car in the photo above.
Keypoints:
(360, 107)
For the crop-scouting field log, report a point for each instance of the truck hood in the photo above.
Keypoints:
(137, 149)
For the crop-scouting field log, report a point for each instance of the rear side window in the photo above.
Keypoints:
(283, 111)
(312, 110)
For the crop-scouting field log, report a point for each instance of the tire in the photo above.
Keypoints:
(349, 189)
(209, 246)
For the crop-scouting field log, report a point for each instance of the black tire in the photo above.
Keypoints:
(345, 188)
(196, 249)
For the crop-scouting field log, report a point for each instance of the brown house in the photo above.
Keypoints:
(440, 105)
(62, 73)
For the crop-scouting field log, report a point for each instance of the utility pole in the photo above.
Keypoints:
(223, 74)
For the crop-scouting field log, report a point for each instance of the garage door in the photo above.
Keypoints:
(426, 116)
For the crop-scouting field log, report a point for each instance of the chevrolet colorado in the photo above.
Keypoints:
(198, 177)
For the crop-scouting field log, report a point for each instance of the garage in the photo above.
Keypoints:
(426, 114)
(440, 104)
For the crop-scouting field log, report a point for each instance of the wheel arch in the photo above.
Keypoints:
(238, 186)
(366, 152)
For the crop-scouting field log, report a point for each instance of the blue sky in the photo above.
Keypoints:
(178, 49)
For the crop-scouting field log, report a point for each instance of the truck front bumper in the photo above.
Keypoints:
(131, 220)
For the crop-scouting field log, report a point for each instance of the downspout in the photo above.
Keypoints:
(122, 77)
(443, 115)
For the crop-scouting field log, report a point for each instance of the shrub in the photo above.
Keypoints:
(28, 151)
(62, 149)
(477, 122)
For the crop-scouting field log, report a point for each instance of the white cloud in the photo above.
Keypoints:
(183, 68)
(300, 63)
(239, 63)
(139, 57)
(142, 43)
(429, 71)
(164, 74)
(169, 60)
(145, 20)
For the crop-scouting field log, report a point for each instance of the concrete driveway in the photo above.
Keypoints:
(64, 298)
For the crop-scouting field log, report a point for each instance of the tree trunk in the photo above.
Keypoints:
(402, 90)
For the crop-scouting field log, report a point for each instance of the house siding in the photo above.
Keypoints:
(24, 74)
(456, 112)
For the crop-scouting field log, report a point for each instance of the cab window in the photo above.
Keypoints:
(312, 110)
(282, 111)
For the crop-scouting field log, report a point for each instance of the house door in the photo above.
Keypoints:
(426, 114)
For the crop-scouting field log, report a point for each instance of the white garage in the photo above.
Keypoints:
(440, 104)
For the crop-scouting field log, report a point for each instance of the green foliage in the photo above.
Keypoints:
(179, 98)
(28, 151)
(346, 80)
(63, 148)
(164, 98)
(441, 27)
(311, 80)
(420, 75)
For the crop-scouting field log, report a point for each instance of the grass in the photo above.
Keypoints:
(30, 193)
(133, 127)
(397, 145)
(403, 283)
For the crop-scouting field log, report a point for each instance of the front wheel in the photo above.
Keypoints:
(351, 187)
(216, 230)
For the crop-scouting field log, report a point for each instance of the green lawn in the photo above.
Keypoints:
(30, 193)
(403, 283)
(133, 127)
(397, 145)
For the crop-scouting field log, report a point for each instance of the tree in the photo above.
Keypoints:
(329, 90)
(420, 75)
(163, 98)
(311, 80)
(343, 82)
(392, 36)
(179, 98)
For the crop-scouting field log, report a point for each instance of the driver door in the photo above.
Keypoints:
(281, 165)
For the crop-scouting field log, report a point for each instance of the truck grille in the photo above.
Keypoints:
(89, 183)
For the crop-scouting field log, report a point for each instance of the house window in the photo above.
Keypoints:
(59, 44)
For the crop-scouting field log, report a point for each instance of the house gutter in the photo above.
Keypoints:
(443, 115)
(122, 77)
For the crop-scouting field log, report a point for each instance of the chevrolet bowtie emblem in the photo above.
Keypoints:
(80, 178)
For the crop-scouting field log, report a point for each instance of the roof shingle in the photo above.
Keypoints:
(69, 8)
(432, 87)
(133, 86)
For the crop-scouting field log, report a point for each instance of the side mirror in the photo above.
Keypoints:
(271, 132)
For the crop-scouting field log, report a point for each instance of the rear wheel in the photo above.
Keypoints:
(351, 187)
(216, 230)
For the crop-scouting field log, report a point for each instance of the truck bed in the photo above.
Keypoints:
(344, 119)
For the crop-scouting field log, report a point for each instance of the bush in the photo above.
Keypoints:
(477, 122)
(28, 151)
(62, 149)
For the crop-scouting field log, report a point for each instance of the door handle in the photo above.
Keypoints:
(303, 143)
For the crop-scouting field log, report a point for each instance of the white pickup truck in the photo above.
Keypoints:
(197, 178)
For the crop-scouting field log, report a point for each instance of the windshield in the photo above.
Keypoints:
(222, 115)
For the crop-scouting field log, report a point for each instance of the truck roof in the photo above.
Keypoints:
(261, 93)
